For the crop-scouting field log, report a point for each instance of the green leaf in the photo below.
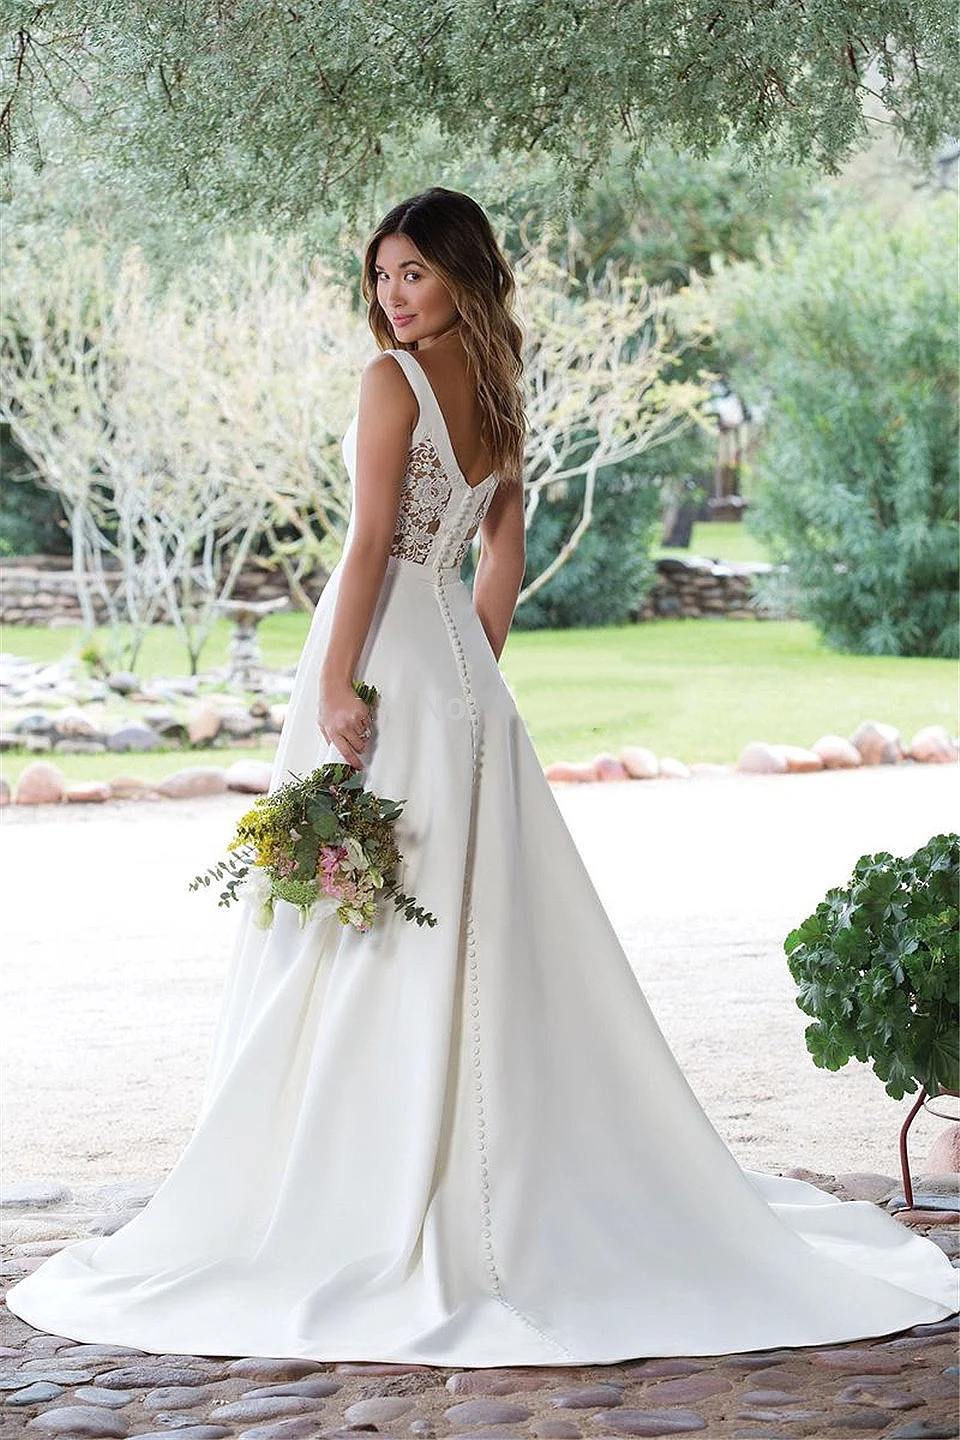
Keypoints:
(866, 969)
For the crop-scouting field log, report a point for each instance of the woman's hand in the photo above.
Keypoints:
(344, 720)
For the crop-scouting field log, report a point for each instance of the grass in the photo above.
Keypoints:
(719, 539)
(281, 638)
(701, 689)
(148, 766)
(696, 689)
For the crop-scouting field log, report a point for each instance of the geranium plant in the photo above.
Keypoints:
(877, 968)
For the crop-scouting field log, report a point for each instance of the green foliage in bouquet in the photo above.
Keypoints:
(877, 966)
(319, 841)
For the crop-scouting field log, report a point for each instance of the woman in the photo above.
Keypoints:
(471, 1144)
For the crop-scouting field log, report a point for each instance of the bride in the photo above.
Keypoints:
(468, 1144)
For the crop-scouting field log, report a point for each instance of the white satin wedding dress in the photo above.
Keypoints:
(467, 1145)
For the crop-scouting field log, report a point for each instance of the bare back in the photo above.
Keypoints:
(448, 374)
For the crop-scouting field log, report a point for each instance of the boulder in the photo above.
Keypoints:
(608, 767)
(87, 792)
(133, 737)
(75, 724)
(759, 758)
(123, 682)
(673, 769)
(818, 1178)
(933, 746)
(81, 745)
(38, 744)
(879, 744)
(41, 784)
(168, 725)
(798, 760)
(570, 770)
(639, 762)
(944, 1158)
(866, 1185)
(942, 1219)
(193, 781)
(252, 777)
(132, 787)
(837, 753)
(4, 792)
(239, 723)
(276, 715)
(203, 722)
(36, 722)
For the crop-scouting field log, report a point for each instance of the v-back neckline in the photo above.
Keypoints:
(445, 427)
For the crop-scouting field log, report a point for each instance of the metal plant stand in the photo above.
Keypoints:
(927, 1102)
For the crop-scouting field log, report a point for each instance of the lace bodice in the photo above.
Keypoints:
(439, 512)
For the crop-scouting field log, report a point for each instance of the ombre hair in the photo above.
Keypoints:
(456, 239)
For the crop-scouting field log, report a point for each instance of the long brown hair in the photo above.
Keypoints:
(457, 241)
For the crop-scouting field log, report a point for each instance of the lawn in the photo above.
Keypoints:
(696, 689)
(720, 540)
(701, 689)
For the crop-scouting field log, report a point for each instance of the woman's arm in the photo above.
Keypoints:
(501, 564)
(385, 424)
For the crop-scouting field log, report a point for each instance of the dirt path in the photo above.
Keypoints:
(112, 969)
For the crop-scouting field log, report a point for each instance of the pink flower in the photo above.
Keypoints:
(329, 858)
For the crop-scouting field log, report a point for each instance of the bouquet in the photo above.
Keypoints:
(322, 843)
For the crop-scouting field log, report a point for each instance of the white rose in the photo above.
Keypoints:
(356, 852)
(257, 887)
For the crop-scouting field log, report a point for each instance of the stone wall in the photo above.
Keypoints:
(697, 586)
(39, 589)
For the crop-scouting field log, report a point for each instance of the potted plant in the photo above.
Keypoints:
(877, 968)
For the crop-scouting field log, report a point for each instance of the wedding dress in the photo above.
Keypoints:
(468, 1144)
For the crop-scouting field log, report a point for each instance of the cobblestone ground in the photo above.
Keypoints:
(901, 1388)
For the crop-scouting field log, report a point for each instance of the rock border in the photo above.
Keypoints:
(43, 783)
(872, 743)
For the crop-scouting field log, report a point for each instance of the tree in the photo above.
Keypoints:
(180, 424)
(104, 400)
(847, 337)
(177, 428)
(257, 109)
(598, 387)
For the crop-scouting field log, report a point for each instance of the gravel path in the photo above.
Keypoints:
(113, 970)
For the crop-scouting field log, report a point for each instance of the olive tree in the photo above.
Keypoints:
(258, 109)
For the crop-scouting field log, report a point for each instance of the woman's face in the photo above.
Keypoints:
(415, 301)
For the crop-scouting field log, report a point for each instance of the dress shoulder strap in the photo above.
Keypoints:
(417, 381)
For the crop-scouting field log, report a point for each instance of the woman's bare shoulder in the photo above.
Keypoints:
(384, 385)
